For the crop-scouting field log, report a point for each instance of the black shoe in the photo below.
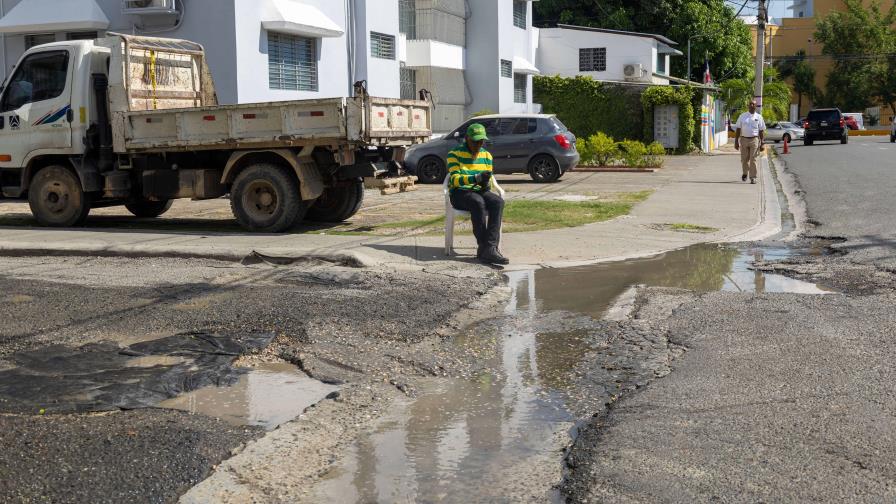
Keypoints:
(752, 180)
(743, 178)
(492, 256)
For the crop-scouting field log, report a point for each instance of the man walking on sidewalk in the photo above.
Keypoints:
(470, 177)
(748, 140)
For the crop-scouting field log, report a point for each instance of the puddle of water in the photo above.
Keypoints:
(267, 396)
(156, 360)
(480, 440)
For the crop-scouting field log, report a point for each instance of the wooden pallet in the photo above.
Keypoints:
(392, 185)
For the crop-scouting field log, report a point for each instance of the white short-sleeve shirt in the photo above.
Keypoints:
(750, 124)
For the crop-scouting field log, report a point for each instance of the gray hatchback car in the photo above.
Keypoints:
(537, 144)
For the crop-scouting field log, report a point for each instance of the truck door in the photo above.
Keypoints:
(35, 109)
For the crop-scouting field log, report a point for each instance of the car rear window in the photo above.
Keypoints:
(823, 115)
(555, 125)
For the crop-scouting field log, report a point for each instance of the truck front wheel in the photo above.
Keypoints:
(337, 204)
(148, 209)
(265, 197)
(57, 199)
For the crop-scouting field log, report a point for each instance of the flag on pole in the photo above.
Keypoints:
(707, 77)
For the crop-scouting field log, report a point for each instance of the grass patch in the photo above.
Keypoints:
(412, 224)
(691, 228)
(527, 215)
(634, 197)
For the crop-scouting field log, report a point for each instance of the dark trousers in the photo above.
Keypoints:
(486, 209)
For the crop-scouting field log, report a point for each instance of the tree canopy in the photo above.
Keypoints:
(724, 40)
(862, 41)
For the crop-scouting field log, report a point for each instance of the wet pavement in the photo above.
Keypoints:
(499, 436)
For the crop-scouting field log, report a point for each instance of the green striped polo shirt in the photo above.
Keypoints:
(462, 168)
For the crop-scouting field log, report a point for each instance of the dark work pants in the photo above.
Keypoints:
(486, 209)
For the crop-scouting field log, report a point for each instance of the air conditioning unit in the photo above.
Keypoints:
(143, 7)
(633, 72)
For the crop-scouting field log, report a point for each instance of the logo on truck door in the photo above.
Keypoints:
(14, 122)
(52, 117)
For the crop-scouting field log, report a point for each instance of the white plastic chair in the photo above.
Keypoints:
(451, 213)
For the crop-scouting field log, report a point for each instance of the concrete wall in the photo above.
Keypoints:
(558, 53)
(251, 63)
(208, 22)
(382, 75)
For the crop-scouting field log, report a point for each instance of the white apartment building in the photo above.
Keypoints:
(266, 50)
(605, 55)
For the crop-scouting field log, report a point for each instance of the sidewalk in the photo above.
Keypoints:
(693, 190)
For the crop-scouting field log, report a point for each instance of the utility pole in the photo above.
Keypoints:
(761, 19)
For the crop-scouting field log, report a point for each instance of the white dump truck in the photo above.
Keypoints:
(134, 121)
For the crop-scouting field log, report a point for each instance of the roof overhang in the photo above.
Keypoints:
(665, 49)
(43, 16)
(522, 66)
(289, 16)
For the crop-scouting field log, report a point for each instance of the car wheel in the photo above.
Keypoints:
(892, 138)
(57, 199)
(844, 139)
(787, 137)
(431, 170)
(806, 141)
(544, 168)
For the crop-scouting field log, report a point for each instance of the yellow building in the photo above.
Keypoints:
(791, 35)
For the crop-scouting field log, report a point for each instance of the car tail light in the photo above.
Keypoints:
(806, 124)
(562, 141)
(842, 122)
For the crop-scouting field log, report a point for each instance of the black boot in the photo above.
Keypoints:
(492, 256)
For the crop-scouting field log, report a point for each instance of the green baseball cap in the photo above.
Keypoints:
(476, 132)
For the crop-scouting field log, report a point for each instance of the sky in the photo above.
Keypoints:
(777, 8)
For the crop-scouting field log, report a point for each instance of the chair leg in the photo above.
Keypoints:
(449, 234)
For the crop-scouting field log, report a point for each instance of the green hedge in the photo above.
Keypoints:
(666, 95)
(587, 107)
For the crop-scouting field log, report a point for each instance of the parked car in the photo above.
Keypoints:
(854, 120)
(537, 144)
(825, 124)
(777, 132)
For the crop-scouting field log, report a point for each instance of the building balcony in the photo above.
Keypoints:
(433, 53)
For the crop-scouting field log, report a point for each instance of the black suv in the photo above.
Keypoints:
(825, 124)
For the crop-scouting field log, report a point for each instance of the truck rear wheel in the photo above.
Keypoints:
(337, 204)
(265, 197)
(56, 197)
(148, 209)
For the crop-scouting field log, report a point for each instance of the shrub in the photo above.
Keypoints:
(604, 148)
(587, 106)
(656, 155)
(632, 152)
(583, 145)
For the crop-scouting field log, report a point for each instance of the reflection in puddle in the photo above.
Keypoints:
(268, 395)
(479, 440)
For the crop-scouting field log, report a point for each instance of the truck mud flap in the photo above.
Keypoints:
(391, 185)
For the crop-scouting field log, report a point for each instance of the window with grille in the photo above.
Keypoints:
(519, 88)
(382, 45)
(593, 59)
(292, 62)
(519, 13)
(36, 40)
(80, 35)
(407, 18)
(408, 79)
(506, 69)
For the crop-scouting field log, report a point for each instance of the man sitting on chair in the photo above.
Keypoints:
(469, 178)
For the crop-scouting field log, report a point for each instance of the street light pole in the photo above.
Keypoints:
(761, 19)
(692, 37)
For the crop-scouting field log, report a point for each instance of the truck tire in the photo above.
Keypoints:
(337, 204)
(56, 197)
(265, 197)
(148, 209)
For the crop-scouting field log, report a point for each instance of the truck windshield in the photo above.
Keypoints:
(41, 76)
